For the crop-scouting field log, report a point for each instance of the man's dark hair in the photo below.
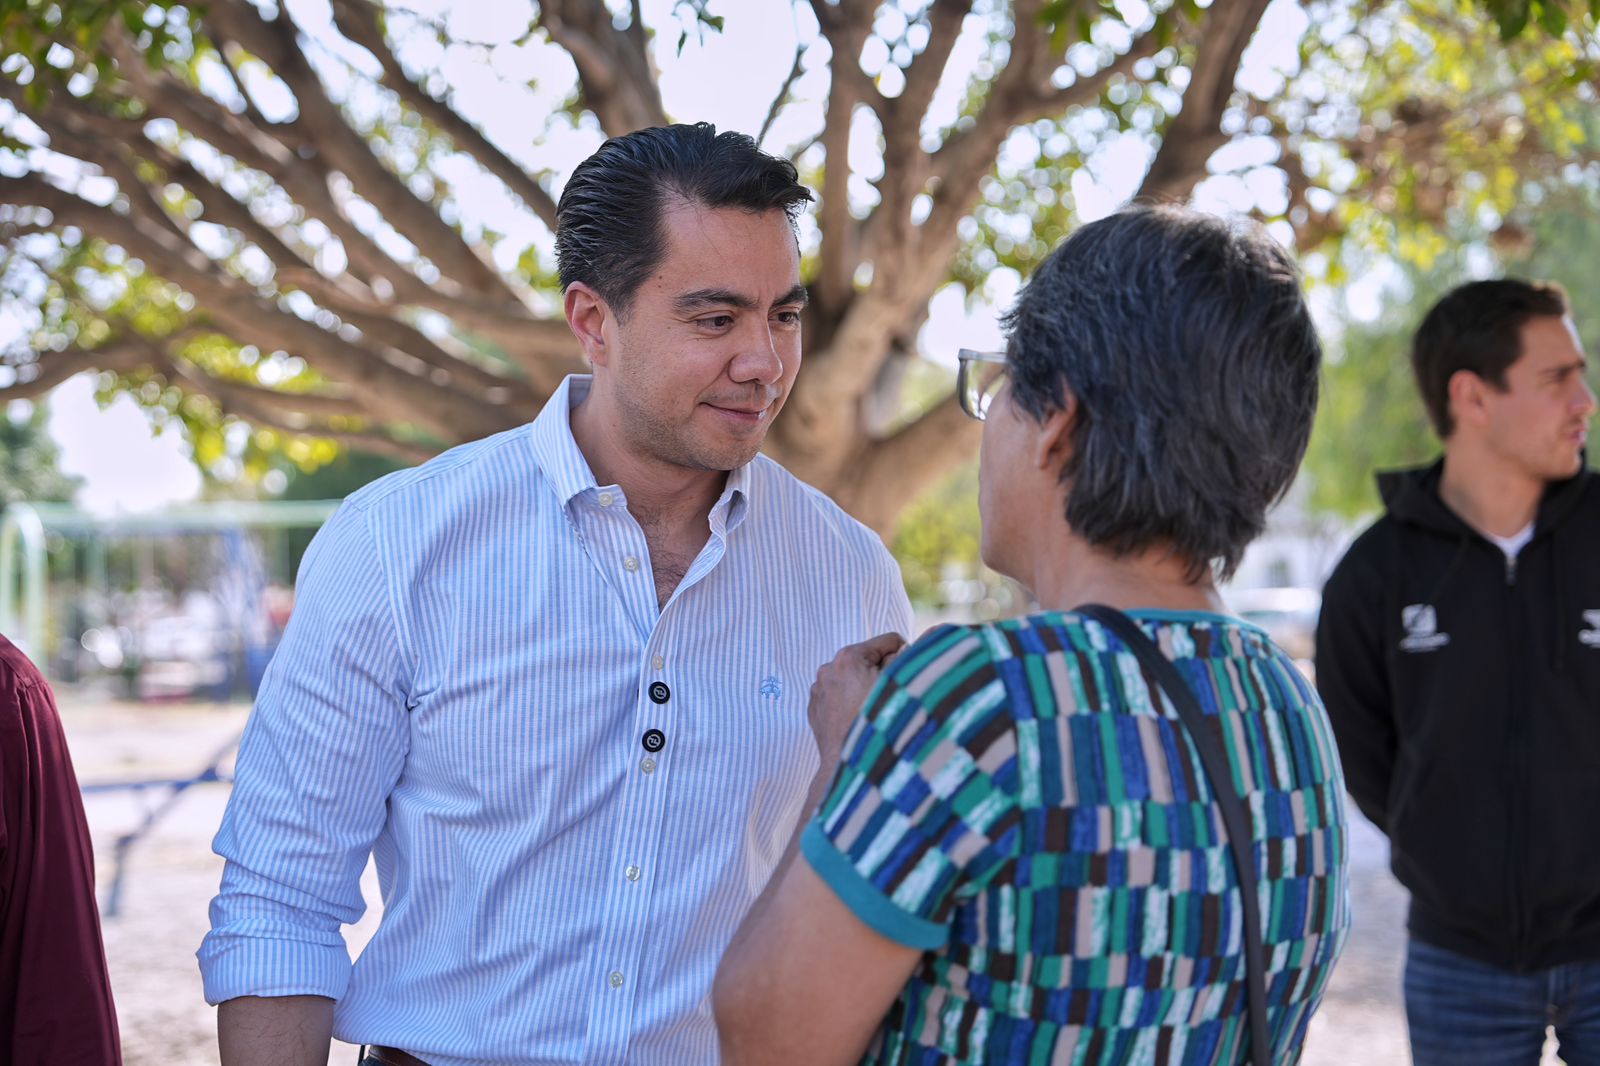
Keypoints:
(608, 224)
(1476, 327)
(1190, 351)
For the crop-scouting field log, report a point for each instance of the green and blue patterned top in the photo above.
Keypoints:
(1017, 801)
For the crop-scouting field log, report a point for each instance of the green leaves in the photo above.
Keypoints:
(695, 17)
(1554, 17)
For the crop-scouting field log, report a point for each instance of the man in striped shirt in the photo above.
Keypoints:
(555, 681)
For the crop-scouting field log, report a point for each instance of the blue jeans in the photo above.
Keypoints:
(1462, 1012)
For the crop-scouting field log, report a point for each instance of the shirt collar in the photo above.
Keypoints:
(554, 450)
(564, 467)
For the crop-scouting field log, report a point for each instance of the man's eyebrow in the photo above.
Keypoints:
(1567, 369)
(796, 295)
(701, 298)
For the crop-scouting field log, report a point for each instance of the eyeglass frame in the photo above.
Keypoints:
(965, 359)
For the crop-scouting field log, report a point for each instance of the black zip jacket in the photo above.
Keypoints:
(1464, 692)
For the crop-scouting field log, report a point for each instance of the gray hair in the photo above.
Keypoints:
(1188, 346)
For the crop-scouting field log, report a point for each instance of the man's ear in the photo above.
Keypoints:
(1465, 395)
(1053, 447)
(588, 315)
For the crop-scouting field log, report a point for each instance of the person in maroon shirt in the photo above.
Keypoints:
(55, 994)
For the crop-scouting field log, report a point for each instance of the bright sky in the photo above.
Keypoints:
(727, 79)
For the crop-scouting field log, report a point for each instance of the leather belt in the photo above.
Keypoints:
(391, 1056)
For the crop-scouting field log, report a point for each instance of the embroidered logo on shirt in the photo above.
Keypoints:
(1422, 628)
(771, 689)
(1591, 636)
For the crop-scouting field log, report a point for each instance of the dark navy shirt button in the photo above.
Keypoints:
(660, 693)
(655, 740)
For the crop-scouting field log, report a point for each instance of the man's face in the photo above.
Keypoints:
(1539, 422)
(711, 343)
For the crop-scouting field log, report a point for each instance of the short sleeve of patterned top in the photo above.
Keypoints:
(1019, 802)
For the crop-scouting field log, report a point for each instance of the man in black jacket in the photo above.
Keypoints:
(1459, 656)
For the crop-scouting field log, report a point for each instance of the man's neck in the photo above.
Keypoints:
(673, 499)
(1488, 494)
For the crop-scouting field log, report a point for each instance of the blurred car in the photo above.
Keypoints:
(1289, 616)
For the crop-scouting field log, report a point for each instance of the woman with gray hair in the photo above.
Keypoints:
(1111, 831)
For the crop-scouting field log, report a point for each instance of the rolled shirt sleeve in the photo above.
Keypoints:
(323, 749)
(923, 810)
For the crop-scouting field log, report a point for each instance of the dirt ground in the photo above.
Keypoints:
(169, 875)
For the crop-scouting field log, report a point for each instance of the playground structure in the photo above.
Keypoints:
(180, 602)
(184, 602)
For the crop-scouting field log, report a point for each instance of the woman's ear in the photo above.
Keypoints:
(1053, 447)
(587, 315)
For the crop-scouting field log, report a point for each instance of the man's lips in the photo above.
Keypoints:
(743, 412)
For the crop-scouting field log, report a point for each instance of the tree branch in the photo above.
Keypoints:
(272, 151)
(120, 355)
(243, 313)
(908, 271)
(845, 28)
(1196, 133)
(887, 475)
(614, 73)
(945, 19)
(329, 134)
(248, 405)
(782, 98)
(358, 20)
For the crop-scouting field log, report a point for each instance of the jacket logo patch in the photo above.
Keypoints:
(1590, 636)
(1422, 629)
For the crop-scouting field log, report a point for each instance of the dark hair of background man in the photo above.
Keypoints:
(1190, 350)
(1476, 327)
(608, 224)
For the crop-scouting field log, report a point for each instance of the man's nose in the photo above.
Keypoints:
(759, 358)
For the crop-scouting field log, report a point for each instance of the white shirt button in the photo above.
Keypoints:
(631, 563)
(658, 662)
(648, 765)
(606, 499)
(615, 978)
(633, 873)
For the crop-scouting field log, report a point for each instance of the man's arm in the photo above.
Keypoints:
(323, 749)
(275, 1031)
(1353, 680)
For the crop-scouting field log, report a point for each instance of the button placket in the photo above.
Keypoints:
(638, 859)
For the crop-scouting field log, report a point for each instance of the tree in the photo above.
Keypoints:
(239, 220)
(29, 459)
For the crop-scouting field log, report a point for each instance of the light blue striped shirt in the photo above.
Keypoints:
(465, 691)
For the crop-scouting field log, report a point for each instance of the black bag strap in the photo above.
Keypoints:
(1234, 816)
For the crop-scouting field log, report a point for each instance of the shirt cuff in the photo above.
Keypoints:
(865, 900)
(234, 965)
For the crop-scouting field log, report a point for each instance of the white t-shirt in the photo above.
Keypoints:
(1515, 543)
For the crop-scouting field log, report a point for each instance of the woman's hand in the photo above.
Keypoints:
(842, 687)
